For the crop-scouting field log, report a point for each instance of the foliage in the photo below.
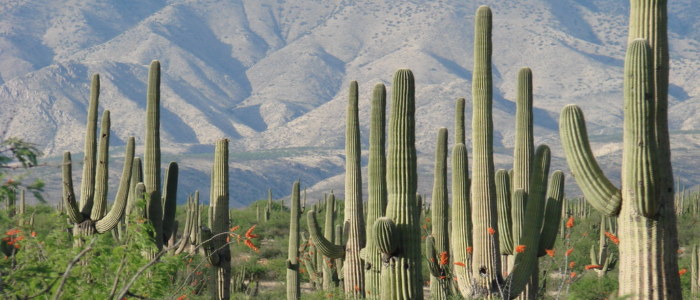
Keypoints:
(17, 154)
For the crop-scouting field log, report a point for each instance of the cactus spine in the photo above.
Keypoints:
(217, 249)
(376, 204)
(439, 261)
(293, 288)
(401, 272)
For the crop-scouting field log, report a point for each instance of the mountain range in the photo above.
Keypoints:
(272, 75)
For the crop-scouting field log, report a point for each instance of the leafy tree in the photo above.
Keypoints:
(15, 154)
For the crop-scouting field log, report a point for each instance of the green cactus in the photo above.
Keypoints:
(328, 231)
(293, 287)
(161, 204)
(268, 208)
(21, 208)
(603, 260)
(459, 121)
(401, 272)
(354, 279)
(90, 216)
(216, 248)
(438, 252)
(694, 270)
(376, 204)
(646, 217)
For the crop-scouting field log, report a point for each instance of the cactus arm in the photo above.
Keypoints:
(503, 202)
(189, 222)
(99, 206)
(115, 214)
(71, 207)
(552, 215)
(387, 238)
(169, 199)
(326, 247)
(523, 151)
(87, 186)
(640, 155)
(597, 189)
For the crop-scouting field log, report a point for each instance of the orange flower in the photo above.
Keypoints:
(491, 231)
(13, 231)
(249, 233)
(183, 297)
(612, 238)
(442, 277)
(520, 248)
(550, 252)
(682, 271)
(570, 222)
(572, 275)
(33, 233)
(427, 220)
(470, 249)
(572, 264)
(588, 267)
(357, 288)
(234, 228)
(444, 258)
(679, 251)
(251, 245)
(459, 263)
(568, 252)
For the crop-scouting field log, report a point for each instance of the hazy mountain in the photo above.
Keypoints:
(273, 76)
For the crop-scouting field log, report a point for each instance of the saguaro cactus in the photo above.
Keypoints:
(159, 211)
(642, 206)
(216, 248)
(440, 283)
(401, 272)
(376, 204)
(90, 216)
(293, 288)
(354, 279)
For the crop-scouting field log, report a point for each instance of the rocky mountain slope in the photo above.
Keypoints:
(272, 75)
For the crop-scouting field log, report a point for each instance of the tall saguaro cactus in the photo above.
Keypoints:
(293, 288)
(377, 191)
(91, 216)
(216, 248)
(161, 204)
(440, 284)
(398, 234)
(354, 274)
(646, 269)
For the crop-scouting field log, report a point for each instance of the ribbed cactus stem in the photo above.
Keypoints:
(152, 141)
(459, 121)
(376, 203)
(169, 200)
(293, 260)
(439, 283)
(87, 186)
(136, 177)
(485, 260)
(524, 149)
(69, 201)
(354, 265)
(552, 217)
(115, 214)
(328, 231)
(505, 224)
(99, 206)
(404, 271)
(461, 230)
(219, 221)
